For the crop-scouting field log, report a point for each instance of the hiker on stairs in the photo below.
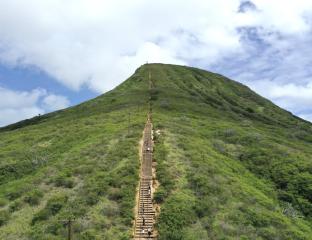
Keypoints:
(149, 232)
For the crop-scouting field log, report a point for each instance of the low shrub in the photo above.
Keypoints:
(160, 195)
(176, 213)
(91, 198)
(4, 217)
(12, 195)
(114, 194)
(33, 197)
(3, 202)
(16, 205)
(54, 227)
(88, 235)
(219, 146)
(110, 210)
(53, 206)
(164, 104)
(64, 181)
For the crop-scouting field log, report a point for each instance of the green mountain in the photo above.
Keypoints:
(231, 164)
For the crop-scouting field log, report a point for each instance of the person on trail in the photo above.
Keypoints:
(149, 232)
(143, 208)
(148, 149)
(143, 221)
(149, 189)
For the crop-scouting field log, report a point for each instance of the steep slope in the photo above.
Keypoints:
(231, 164)
(80, 163)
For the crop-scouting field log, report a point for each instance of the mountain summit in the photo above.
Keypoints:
(229, 163)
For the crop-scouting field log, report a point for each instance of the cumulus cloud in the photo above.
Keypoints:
(98, 44)
(54, 102)
(17, 105)
(296, 98)
(14, 99)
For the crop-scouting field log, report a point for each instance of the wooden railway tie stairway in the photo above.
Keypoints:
(145, 219)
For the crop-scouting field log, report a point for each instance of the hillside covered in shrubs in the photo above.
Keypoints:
(231, 164)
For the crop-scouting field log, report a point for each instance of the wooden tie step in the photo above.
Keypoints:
(145, 219)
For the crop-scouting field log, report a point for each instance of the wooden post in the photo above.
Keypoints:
(129, 124)
(69, 237)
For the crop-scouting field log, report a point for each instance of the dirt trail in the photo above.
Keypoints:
(145, 209)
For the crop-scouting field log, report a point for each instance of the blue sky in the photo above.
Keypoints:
(55, 54)
(29, 78)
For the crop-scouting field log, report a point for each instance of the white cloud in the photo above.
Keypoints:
(11, 115)
(295, 98)
(13, 99)
(283, 16)
(274, 90)
(99, 43)
(55, 102)
(19, 105)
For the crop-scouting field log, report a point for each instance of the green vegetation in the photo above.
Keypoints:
(4, 217)
(33, 197)
(80, 163)
(231, 164)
